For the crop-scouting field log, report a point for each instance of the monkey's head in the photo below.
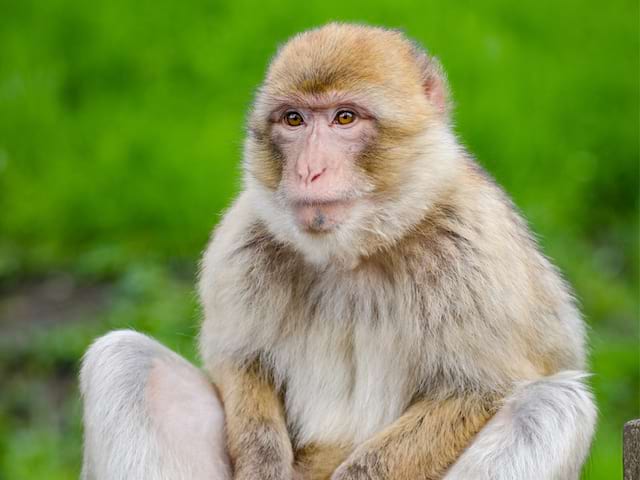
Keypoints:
(349, 141)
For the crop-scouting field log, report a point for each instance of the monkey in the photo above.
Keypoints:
(375, 306)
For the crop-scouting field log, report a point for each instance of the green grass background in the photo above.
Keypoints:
(121, 126)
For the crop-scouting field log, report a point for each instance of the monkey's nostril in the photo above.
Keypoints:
(317, 175)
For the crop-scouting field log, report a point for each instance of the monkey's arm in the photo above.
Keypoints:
(257, 437)
(422, 443)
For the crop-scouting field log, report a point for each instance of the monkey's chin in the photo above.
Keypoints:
(321, 217)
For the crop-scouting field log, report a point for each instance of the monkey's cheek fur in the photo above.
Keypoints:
(321, 217)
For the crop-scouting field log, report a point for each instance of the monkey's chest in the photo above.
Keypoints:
(343, 384)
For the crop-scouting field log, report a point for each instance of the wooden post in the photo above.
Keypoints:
(631, 450)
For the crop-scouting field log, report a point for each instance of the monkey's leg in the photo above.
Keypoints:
(543, 432)
(421, 444)
(148, 414)
(258, 440)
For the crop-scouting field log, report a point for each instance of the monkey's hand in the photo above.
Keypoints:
(422, 443)
(256, 469)
(361, 465)
(265, 460)
(257, 437)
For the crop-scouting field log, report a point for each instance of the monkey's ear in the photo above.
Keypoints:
(434, 82)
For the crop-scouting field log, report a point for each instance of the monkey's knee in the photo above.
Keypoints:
(148, 413)
(186, 413)
(126, 373)
(113, 376)
(118, 362)
(543, 430)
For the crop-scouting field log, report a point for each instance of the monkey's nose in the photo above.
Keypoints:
(311, 175)
(315, 176)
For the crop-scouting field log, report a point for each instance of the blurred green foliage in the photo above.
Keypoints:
(121, 129)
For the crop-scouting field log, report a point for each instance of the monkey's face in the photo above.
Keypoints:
(320, 142)
(338, 137)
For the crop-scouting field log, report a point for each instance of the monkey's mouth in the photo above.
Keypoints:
(321, 217)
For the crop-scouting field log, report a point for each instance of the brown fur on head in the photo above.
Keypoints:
(404, 88)
(400, 161)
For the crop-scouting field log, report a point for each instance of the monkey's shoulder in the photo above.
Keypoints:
(477, 228)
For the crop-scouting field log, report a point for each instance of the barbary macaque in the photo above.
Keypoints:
(374, 305)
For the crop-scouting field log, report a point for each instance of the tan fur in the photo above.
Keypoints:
(399, 334)
(423, 442)
(258, 442)
(319, 461)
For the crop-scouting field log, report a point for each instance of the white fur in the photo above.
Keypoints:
(543, 432)
(148, 414)
(330, 401)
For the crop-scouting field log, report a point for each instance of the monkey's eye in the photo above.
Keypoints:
(293, 119)
(344, 117)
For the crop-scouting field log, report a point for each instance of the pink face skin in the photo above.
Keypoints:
(320, 181)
